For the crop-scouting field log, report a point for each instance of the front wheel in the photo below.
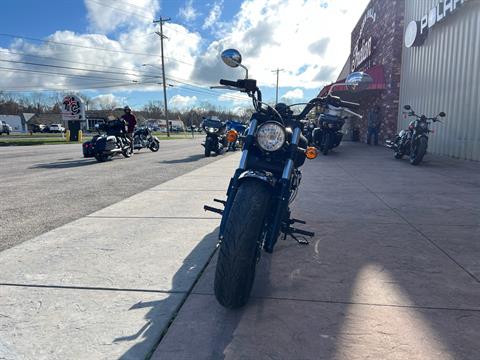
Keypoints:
(154, 146)
(207, 152)
(417, 154)
(398, 155)
(326, 144)
(241, 244)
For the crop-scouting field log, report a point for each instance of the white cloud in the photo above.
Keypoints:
(180, 101)
(188, 12)
(295, 94)
(106, 15)
(106, 101)
(300, 36)
(213, 15)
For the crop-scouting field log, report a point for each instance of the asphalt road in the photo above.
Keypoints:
(46, 186)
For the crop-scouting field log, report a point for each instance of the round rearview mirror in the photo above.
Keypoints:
(442, 114)
(358, 81)
(407, 107)
(232, 57)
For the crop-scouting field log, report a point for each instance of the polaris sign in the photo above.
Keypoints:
(417, 31)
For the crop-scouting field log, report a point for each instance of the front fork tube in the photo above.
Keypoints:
(233, 186)
(283, 194)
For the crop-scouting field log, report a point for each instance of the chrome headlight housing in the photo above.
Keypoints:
(212, 130)
(271, 136)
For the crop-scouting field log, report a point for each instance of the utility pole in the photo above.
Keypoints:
(160, 33)
(276, 92)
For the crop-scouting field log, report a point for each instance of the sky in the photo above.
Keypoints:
(109, 49)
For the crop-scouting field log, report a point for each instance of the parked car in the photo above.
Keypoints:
(5, 128)
(39, 128)
(56, 128)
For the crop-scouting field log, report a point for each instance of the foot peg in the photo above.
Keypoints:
(212, 209)
(291, 231)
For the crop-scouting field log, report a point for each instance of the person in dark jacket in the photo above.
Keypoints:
(373, 124)
(131, 121)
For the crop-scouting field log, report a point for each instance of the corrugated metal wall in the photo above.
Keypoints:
(444, 75)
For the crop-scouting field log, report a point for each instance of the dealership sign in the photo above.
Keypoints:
(417, 31)
(363, 47)
(73, 108)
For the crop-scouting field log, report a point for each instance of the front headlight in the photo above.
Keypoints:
(271, 136)
(211, 130)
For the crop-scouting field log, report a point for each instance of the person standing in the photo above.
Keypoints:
(373, 124)
(131, 121)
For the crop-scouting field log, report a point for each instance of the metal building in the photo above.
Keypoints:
(441, 72)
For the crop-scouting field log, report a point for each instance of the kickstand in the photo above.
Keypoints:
(302, 240)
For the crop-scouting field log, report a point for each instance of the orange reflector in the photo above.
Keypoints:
(311, 152)
(232, 136)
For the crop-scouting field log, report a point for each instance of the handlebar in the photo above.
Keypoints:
(229, 83)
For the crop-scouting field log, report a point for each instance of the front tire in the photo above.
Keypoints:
(154, 146)
(326, 145)
(239, 248)
(416, 156)
(207, 152)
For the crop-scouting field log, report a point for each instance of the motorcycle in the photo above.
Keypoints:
(216, 136)
(414, 140)
(109, 142)
(328, 135)
(308, 128)
(143, 138)
(257, 209)
(239, 129)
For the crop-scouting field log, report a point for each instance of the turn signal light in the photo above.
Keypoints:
(311, 152)
(232, 136)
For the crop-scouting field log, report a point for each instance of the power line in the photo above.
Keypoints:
(72, 88)
(60, 74)
(91, 47)
(69, 67)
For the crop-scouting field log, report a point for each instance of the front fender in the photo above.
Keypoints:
(259, 175)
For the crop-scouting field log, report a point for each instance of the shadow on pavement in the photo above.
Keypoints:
(191, 158)
(155, 328)
(65, 164)
(365, 287)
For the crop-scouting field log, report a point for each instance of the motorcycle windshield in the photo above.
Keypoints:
(212, 123)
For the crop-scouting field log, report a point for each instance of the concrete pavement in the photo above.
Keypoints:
(392, 273)
(107, 285)
(44, 187)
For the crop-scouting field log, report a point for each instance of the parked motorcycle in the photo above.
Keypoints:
(109, 142)
(267, 180)
(235, 133)
(215, 140)
(414, 140)
(328, 135)
(143, 138)
(308, 128)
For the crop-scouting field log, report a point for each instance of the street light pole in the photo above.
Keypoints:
(276, 92)
(160, 33)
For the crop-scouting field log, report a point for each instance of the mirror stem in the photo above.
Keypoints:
(246, 70)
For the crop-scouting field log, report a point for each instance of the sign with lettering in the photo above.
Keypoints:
(73, 108)
(417, 30)
(363, 47)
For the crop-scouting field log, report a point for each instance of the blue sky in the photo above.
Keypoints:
(300, 36)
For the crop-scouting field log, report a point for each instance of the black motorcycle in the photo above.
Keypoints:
(110, 141)
(216, 136)
(308, 128)
(143, 138)
(328, 135)
(267, 180)
(413, 141)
